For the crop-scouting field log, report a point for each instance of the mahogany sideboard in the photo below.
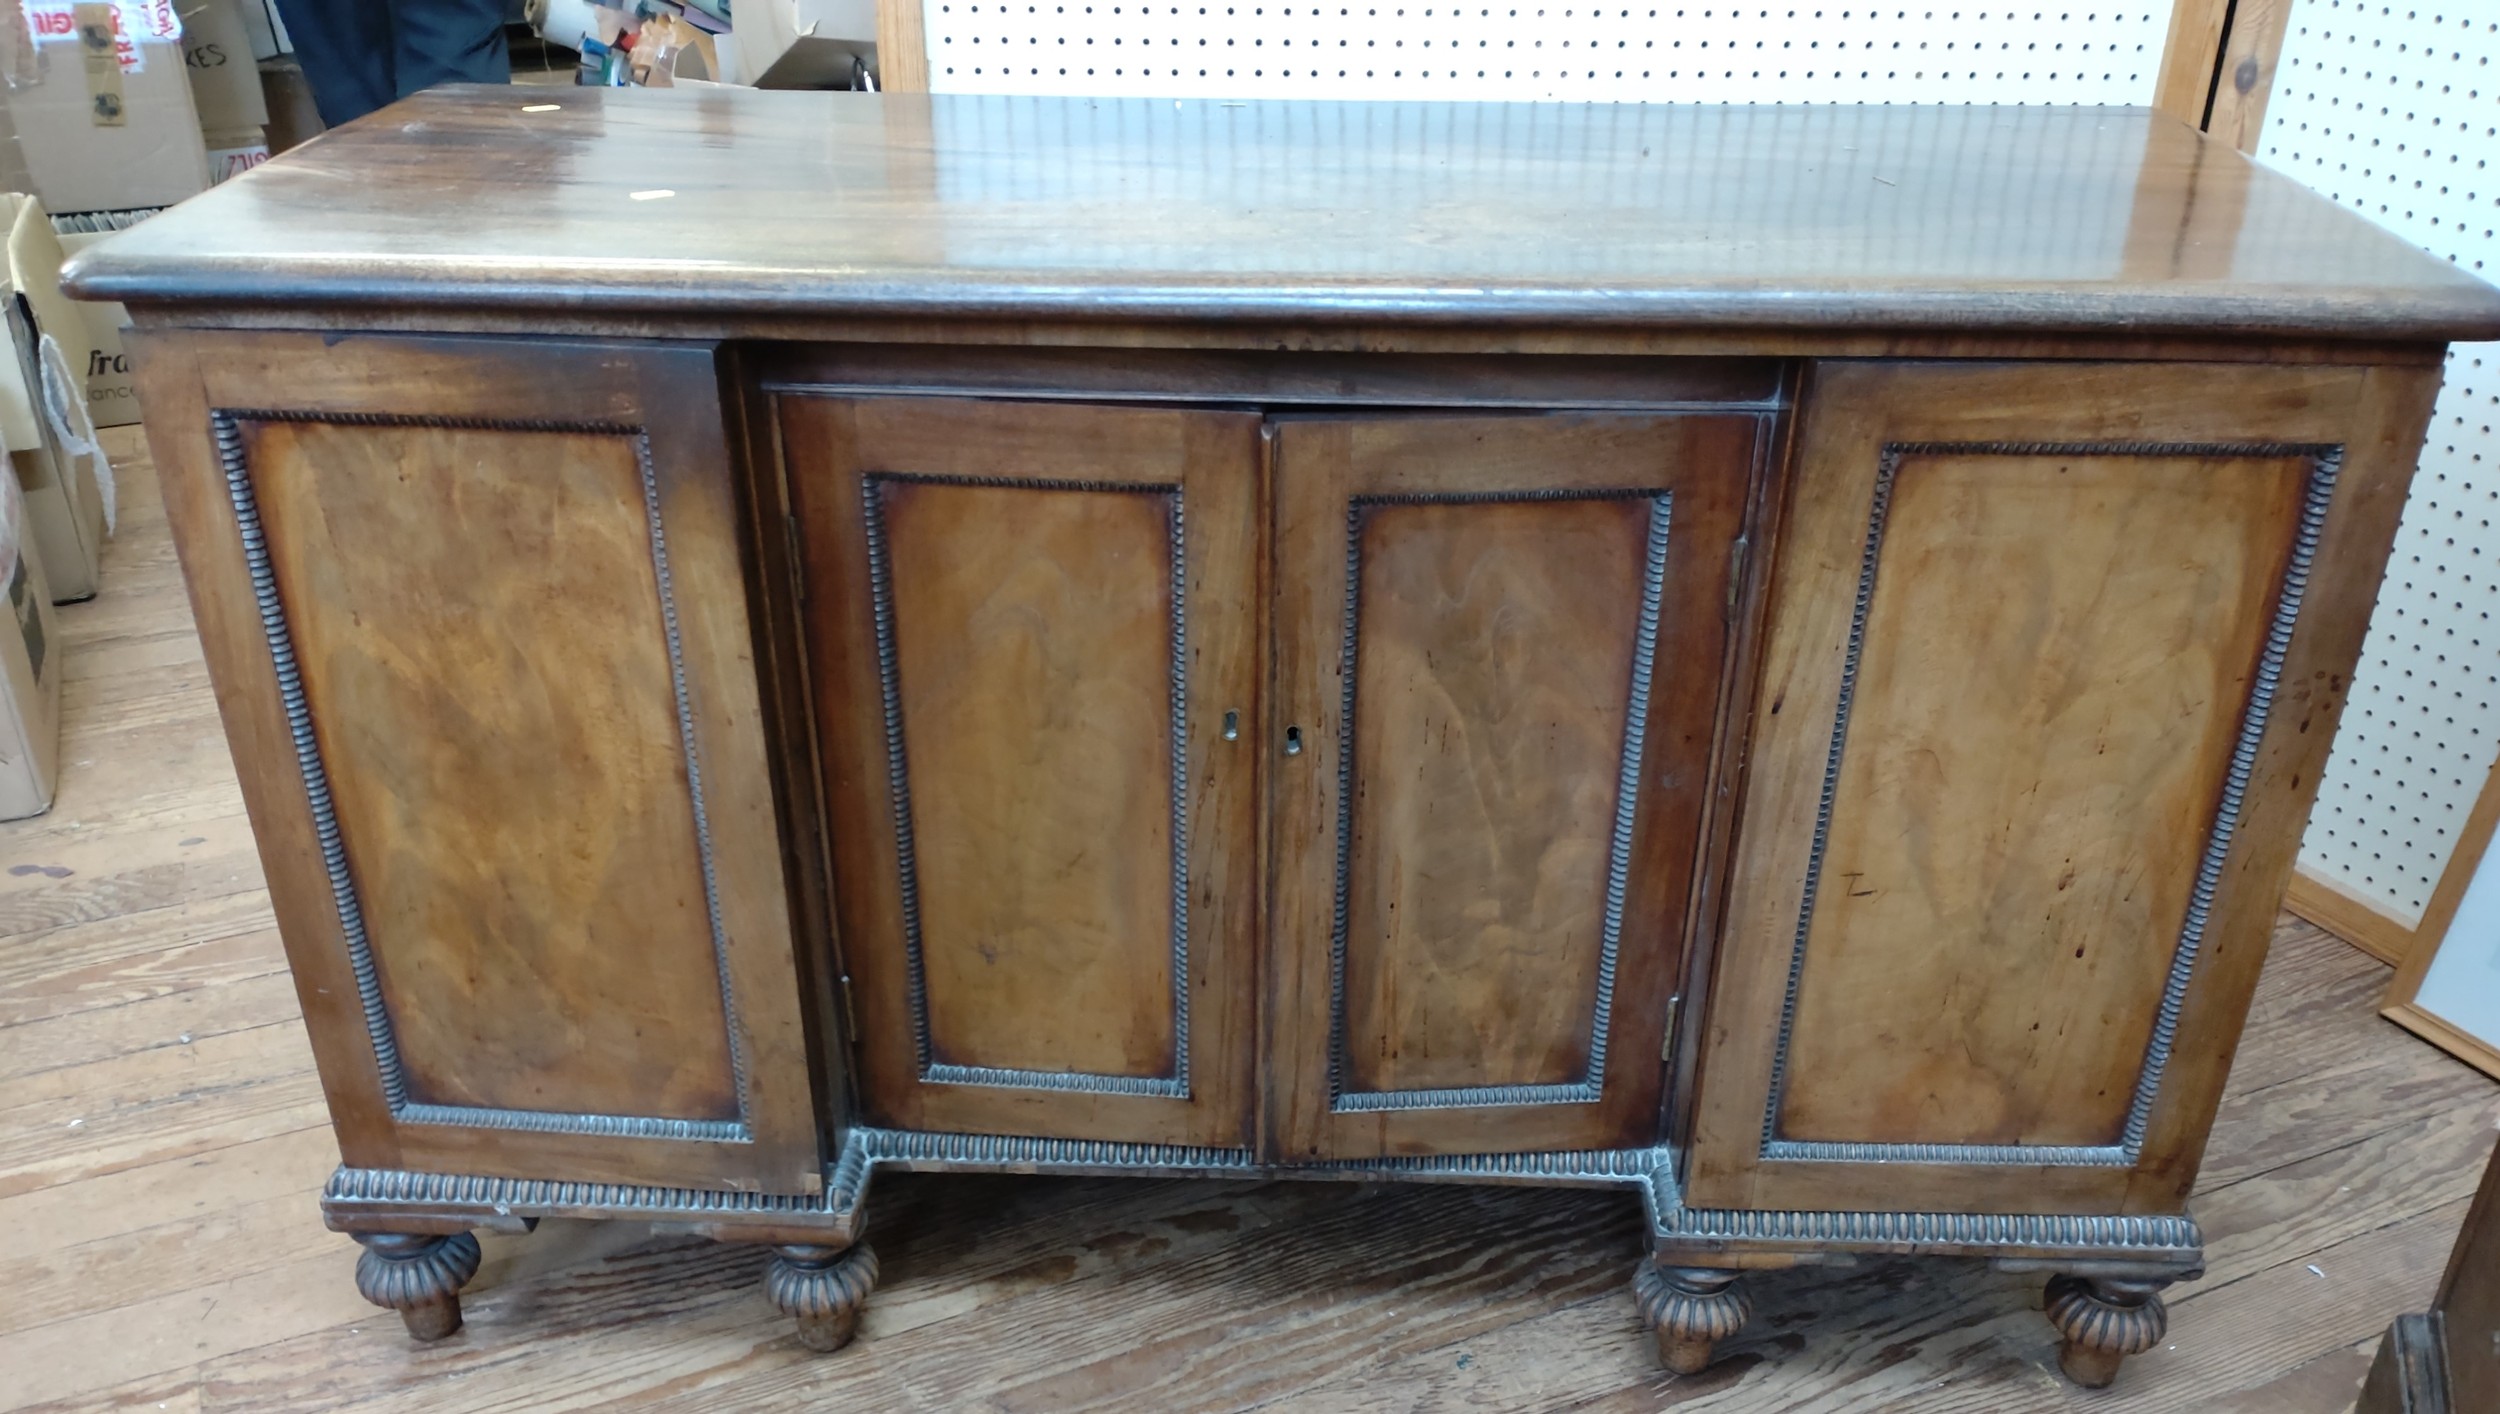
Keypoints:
(1775, 659)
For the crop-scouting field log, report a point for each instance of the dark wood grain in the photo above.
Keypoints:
(1491, 681)
(1501, 216)
(169, 1256)
(1353, 671)
(1063, 707)
(537, 916)
(524, 964)
(1854, 412)
(2005, 783)
(1024, 565)
(1492, 642)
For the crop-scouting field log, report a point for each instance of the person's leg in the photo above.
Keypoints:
(449, 41)
(345, 48)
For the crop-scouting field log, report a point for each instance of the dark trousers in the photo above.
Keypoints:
(359, 55)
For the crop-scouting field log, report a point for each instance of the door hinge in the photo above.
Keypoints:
(1666, 1043)
(798, 565)
(850, 1013)
(1736, 557)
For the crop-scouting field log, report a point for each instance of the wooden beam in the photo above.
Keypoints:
(2249, 56)
(2186, 83)
(902, 47)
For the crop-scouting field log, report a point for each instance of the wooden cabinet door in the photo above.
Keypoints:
(1033, 637)
(1499, 653)
(477, 619)
(2053, 661)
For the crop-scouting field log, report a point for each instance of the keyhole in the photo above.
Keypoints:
(1232, 726)
(1293, 741)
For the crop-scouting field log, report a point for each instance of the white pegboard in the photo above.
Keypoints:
(2088, 52)
(2394, 110)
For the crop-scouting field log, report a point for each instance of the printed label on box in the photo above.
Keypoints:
(56, 22)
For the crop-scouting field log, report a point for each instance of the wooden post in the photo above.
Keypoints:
(902, 47)
(2249, 56)
(2186, 84)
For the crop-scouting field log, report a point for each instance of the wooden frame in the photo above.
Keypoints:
(2423, 943)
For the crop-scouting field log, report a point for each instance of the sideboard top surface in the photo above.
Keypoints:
(726, 203)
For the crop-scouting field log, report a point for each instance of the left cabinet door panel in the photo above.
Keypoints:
(477, 619)
(1032, 635)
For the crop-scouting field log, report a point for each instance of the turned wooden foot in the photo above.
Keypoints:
(419, 1276)
(2102, 1321)
(1690, 1309)
(823, 1287)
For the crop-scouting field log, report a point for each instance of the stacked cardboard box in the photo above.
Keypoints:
(30, 674)
(225, 86)
(121, 105)
(44, 424)
(101, 105)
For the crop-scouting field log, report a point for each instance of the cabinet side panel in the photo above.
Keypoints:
(478, 623)
(2094, 616)
(1031, 631)
(479, 628)
(2051, 677)
(1493, 665)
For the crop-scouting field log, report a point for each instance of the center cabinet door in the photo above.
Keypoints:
(1500, 645)
(1033, 640)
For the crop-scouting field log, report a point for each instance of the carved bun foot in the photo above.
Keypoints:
(823, 1287)
(2102, 1321)
(418, 1276)
(1690, 1309)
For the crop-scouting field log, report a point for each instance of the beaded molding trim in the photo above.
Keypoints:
(2173, 1241)
(898, 785)
(225, 425)
(1591, 1085)
(2325, 462)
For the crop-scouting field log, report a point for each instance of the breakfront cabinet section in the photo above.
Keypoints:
(1499, 654)
(2053, 660)
(477, 623)
(1036, 649)
(1033, 643)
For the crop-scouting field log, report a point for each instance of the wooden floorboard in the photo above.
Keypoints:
(162, 1140)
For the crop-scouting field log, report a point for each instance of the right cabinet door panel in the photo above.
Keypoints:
(1499, 644)
(2052, 664)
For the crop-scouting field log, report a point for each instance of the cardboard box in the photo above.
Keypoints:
(30, 671)
(111, 401)
(234, 152)
(114, 134)
(805, 43)
(225, 78)
(43, 406)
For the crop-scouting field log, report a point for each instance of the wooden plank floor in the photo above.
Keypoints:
(161, 1142)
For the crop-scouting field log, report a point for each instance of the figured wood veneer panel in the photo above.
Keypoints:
(2055, 665)
(1032, 630)
(1495, 643)
(477, 618)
